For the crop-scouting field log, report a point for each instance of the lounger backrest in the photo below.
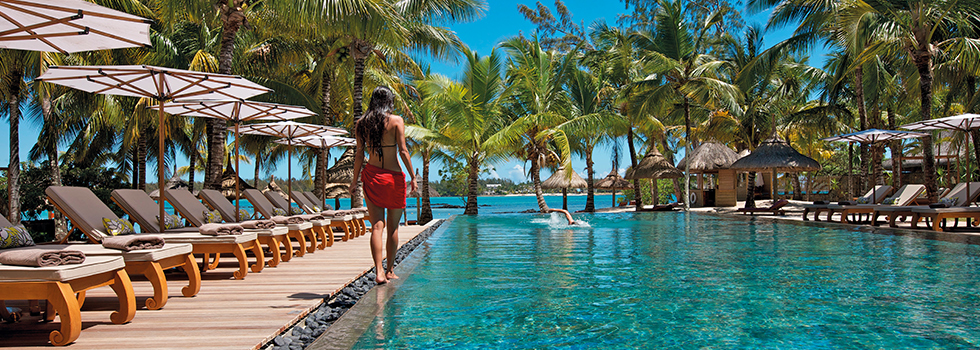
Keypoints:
(304, 202)
(313, 198)
(140, 207)
(960, 196)
(259, 202)
(4, 222)
(278, 201)
(187, 205)
(877, 194)
(217, 201)
(906, 194)
(83, 208)
(779, 204)
(974, 192)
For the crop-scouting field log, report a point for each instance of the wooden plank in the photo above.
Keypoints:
(226, 314)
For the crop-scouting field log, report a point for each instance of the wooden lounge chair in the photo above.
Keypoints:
(319, 226)
(298, 232)
(903, 197)
(957, 195)
(217, 201)
(873, 196)
(774, 209)
(59, 285)
(339, 219)
(85, 212)
(939, 216)
(144, 210)
(191, 209)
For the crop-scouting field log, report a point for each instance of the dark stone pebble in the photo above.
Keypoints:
(279, 340)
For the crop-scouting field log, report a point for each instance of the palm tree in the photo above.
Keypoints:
(537, 78)
(682, 72)
(427, 127)
(476, 104)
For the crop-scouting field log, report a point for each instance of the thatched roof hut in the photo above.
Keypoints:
(343, 170)
(274, 187)
(775, 154)
(228, 178)
(653, 166)
(709, 157)
(417, 193)
(562, 179)
(613, 182)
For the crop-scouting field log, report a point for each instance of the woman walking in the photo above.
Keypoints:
(382, 135)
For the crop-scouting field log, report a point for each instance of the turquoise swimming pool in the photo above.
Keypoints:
(675, 280)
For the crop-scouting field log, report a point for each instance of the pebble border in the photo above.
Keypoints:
(306, 330)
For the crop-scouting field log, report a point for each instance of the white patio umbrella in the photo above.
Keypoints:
(869, 136)
(291, 130)
(68, 26)
(156, 83)
(237, 111)
(962, 122)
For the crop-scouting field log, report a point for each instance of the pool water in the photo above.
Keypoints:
(675, 280)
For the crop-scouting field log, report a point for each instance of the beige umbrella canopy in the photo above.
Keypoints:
(709, 157)
(68, 26)
(613, 182)
(653, 166)
(777, 155)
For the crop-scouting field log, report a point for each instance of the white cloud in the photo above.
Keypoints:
(517, 174)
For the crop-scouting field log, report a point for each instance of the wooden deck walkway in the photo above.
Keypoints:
(226, 314)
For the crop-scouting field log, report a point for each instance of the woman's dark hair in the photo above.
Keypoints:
(371, 126)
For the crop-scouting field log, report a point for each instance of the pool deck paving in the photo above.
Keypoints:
(225, 314)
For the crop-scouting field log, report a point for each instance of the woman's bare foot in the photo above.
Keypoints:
(380, 280)
(391, 276)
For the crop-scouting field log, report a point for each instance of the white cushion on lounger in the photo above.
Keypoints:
(168, 250)
(947, 210)
(203, 239)
(318, 223)
(300, 226)
(275, 231)
(92, 266)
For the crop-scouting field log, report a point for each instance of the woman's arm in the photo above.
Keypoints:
(403, 150)
(358, 162)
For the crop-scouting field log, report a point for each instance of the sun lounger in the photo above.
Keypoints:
(873, 196)
(59, 285)
(774, 209)
(339, 219)
(939, 216)
(298, 232)
(903, 197)
(320, 227)
(957, 195)
(191, 209)
(317, 201)
(85, 212)
(143, 209)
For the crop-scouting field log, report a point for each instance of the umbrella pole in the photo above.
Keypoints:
(289, 184)
(850, 170)
(238, 191)
(160, 180)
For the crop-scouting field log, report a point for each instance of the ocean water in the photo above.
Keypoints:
(679, 281)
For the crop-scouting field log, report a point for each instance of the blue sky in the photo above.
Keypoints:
(501, 21)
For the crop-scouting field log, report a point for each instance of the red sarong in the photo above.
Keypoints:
(384, 188)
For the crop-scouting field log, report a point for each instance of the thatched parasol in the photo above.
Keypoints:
(174, 183)
(775, 155)
(613, 182)
(228, 183)
(653, 166)
(564, 180)
(709, 157)
(343, 170)
(418, 193)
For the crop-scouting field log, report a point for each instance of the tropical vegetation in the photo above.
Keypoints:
(668, 75)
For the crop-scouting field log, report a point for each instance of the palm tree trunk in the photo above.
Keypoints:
(863, 117)
(536, 179)
(141, 162)
(425, 212)
(13, 170)
(750, 190)
(797, 188)
(687, 150)
(258, 164)
(636, 182)
(320, 181)
(136, 173)
(471, 207)
(590, 191)
(323, 157)
(193, 167)
(922, 56)
(326, 84)
(896, 148)
(232, 18)
(654, 192)
(60, 225)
